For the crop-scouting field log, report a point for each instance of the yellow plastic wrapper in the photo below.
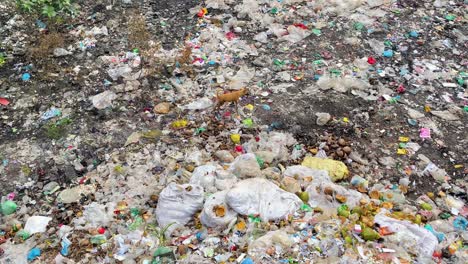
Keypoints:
(250, 107)
(179, 123)
(235, 138)
(403, 139)
(402, 152)
(337, 170)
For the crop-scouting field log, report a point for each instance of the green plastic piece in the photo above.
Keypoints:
(358, 26)
(450, 17)
(369, 234)
(306, 208)
(316, 31)
(426, 206)
(343, 210)
(248, 122)
(260, 161)
(98, 239)
(8, 207)
(162, 251)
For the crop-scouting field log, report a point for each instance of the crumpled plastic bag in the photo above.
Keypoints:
(115, 73)
(337, 170)
(278, 238)
(341, 84)
(212, 178)
(415, 239)
(178, 203)
(199, 104)
(36, 224)
(296, 34)
(318, 197)
(338, 7)
(103, 100)
(95, 215)
(262, 197)
(276, 142)
(306, 174)
(204, 176)
(242, 78)
(245, 166)
(216, 212)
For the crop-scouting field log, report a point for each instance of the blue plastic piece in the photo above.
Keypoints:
(388, 53)
(53, 112)
(440, 236)
(25, 77)
(414, 34)
(65, 245)
(33, 254)
(247, 261)
(460, 223)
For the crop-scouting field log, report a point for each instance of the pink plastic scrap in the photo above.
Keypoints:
(425, 133)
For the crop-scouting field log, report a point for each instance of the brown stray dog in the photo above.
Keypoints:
(230, 97)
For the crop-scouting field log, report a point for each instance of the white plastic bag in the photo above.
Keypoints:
(306, 174)
(318, 197)
(260, 196)
(296, 34)
(204, 176)
(199, 104)
(245, 166)
(178, 203)
(415, 239)
(209, 217)
(279, 239)
(103, 100)
(212, 178)
(36, 224)
(95, 215)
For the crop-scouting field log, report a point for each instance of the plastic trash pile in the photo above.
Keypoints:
(135, 160)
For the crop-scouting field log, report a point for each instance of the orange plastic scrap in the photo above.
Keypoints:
(385, 231)
(241, 225)
(219, 210)
(202, 12)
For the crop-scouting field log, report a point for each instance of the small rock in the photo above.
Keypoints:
(347, 149)
(323, 118)
(162, 108)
